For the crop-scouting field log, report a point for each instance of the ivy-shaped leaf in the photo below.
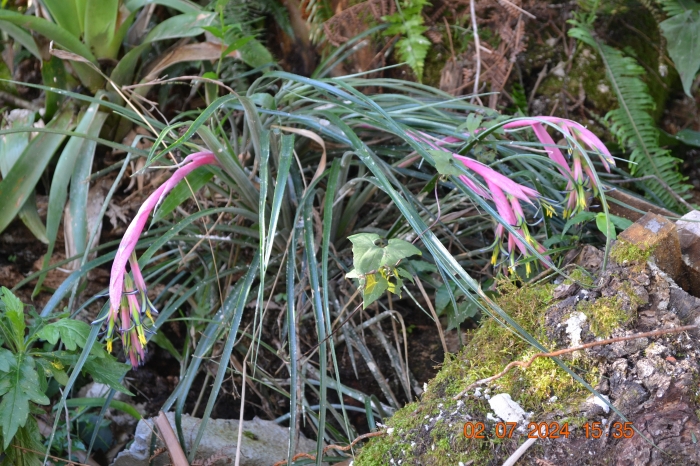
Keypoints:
(369, 255)
(108, 371)
(73, 333)
(445, 163)
(374, 287)
(443, 304)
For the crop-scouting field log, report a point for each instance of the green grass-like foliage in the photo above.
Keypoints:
(632, 122)
(413, 46)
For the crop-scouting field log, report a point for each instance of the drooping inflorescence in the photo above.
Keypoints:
(128, 298)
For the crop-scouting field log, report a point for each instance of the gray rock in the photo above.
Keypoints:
(629, 396)
(263, 442)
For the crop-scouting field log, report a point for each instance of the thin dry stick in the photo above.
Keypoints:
(170, 439)
(520, 452)
(526, 364)
(477, 46)
(332, 447)
(55, 458)
(432, 311)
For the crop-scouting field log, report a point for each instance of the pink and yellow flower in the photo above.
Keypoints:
(507, 195)
(128, 298)
(581, 175)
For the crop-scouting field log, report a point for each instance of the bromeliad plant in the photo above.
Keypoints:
(278, 229)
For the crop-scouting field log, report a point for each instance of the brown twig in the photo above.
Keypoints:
(332, 447)
(526, 364)
(435, 316)
(18, 102)
(55, 458)
(170, 440)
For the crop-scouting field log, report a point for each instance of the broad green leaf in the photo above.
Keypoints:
(421, 266)
(100, 25)
(407, 275)
(21, 36)
(581, 217)
(73, 333)
(619, 222)
(442, 297)
(445, 163)
(465, 310)
(77, 148)
(20, 386)
(682, 33)
(80, 187)
(443, 305)
(160, 339)
(601, 221)
(108, 371)
(183, 6)
(236, 44)
(29, 214)
(53, 369)
(176, 27)
(65, 14)
(51, 31)
(11, 148)
(255, 54)
(369, 255)
(24, 174)
(123, 73)
(182, 192)
(53, 73)
(689, 137)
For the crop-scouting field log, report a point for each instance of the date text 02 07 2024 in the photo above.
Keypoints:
(477, 430)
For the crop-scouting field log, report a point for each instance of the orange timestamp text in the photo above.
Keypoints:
(550, 430)
(476, 430)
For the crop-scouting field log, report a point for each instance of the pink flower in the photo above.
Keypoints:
(506, 195)
(126, 309)
(582, 174)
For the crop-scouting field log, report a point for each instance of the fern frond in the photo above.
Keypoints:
(677, 7)
(413, 46)
(632, 122)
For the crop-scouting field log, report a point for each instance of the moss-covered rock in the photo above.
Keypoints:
(648, 382)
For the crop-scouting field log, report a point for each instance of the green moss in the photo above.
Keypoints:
(623, 252)
(579, 275)
(605, 315)
(489, 350)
